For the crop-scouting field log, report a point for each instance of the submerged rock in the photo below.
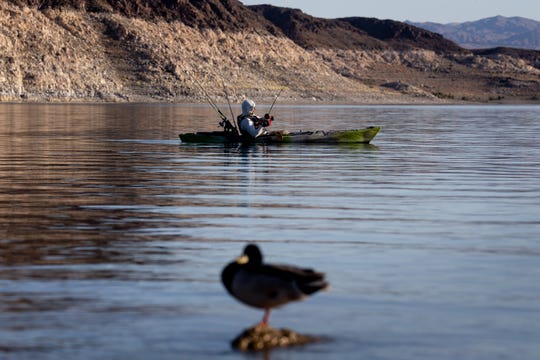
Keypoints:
(260, 337)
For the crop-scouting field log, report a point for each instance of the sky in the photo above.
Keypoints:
(414, 10)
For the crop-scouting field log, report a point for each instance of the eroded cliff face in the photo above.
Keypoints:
(69, 53)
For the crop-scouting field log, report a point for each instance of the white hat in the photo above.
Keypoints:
(248, 106)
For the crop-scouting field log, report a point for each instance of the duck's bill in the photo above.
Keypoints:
(242, 260)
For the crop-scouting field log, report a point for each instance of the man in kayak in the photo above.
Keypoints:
(251, 125)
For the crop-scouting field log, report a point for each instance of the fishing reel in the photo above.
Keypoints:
(227, 126)
(267, 120)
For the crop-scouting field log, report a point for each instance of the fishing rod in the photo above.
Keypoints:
(275, 99)
(224, 123)
(228, 102)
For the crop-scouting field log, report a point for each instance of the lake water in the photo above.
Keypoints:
(113, 234)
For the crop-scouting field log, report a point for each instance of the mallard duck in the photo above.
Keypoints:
(267, 286)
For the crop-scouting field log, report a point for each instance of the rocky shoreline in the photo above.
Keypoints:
(74, 53)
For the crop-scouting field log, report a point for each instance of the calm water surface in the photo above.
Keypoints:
(113, 234)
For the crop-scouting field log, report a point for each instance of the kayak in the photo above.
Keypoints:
(358, 136)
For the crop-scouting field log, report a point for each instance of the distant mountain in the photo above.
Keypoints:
(491, 32)
(352, 32)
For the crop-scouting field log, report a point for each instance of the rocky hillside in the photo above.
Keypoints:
(101, 50)
(496, 31)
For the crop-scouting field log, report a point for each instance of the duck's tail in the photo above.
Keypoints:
(313, 287)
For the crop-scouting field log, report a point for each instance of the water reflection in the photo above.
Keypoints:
(54, 165)
(111, 227)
